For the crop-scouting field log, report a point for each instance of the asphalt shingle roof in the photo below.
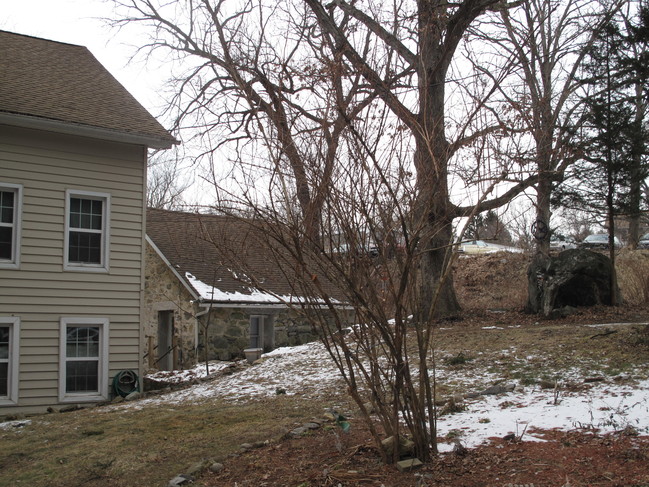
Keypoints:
(219, 251)
(232, 255)
(65, 83)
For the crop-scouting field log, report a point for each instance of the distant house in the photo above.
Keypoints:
(73, 154)
(213, 289)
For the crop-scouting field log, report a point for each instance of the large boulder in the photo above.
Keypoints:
(573, 278)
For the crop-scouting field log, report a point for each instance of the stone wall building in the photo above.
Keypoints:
(211, 292)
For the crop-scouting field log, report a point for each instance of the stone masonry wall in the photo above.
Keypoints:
(228, 332)
(164, 292)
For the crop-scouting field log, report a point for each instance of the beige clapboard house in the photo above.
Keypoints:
(73, 153)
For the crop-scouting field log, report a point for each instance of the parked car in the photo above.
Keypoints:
(643, 243)
(599, 242)
(560, 243)
(476, 247)
(345, 249)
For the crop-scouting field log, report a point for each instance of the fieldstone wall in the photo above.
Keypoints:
(164, 292)
(228, 332)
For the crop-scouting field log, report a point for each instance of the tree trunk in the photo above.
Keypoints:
(635, 191)
(434, 209)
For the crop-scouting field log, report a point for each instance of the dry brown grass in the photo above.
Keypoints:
(138, 448)
(492, 281)
(633, 276)
(499, 280)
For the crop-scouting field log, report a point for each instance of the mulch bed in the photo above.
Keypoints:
(328, 458)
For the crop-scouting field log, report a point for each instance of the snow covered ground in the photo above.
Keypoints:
(308, 371)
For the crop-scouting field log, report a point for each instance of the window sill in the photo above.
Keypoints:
(91, 397)
(85, 268)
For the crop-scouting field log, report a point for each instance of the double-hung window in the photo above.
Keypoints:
(9, 346)
(84, 359)
(87, 231)
(10, 221)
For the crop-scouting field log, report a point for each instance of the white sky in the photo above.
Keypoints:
(79, 22)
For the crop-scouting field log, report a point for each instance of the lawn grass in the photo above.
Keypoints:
(147, 447)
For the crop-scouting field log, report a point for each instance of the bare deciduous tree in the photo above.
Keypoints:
(547, 41)
(166, 183)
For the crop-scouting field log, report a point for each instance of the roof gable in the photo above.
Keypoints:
(65, 85)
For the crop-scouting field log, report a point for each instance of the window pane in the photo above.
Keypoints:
(4, 342)
(4, 379)
(86, 213)
(84, 248)
(6, 242)
(82, 341)
(6, 206)
(82, 376)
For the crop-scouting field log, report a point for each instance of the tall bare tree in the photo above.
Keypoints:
(547, 41)
(292, 76)
(336, 116)
(166, 183)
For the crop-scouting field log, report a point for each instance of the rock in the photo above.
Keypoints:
(197, 468)
(246, 446)
(575, 277)
(311, 426)
(329, 416)
(216, 467)
(459, 449)
(547, 384)
(117, 400)
(406, 446)
(409, 464)
(453, 405)
(133, 396)
(298, 431)
(493, 390)
(369, 407)
(69, 409)
(181, 479)
(590, 380)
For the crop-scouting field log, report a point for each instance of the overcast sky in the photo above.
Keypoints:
(79, 22)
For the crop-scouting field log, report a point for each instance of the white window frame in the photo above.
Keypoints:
(104, 265)
(102, 370)
(14, 360)
(17, 189)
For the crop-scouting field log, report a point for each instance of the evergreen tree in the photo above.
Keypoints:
(606, 180)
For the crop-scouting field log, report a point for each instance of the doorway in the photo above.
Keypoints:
(165, 340)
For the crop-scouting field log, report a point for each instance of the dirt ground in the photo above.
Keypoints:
(566, 459)
(492, 291)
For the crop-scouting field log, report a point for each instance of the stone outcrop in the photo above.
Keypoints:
(573, 278)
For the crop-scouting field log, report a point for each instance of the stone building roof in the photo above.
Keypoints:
(63, 88)
(224, 259)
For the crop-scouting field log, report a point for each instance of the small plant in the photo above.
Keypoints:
(459, 359)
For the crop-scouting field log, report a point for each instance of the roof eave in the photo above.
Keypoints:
(58, 126)
(164, 259)
(266, 304)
